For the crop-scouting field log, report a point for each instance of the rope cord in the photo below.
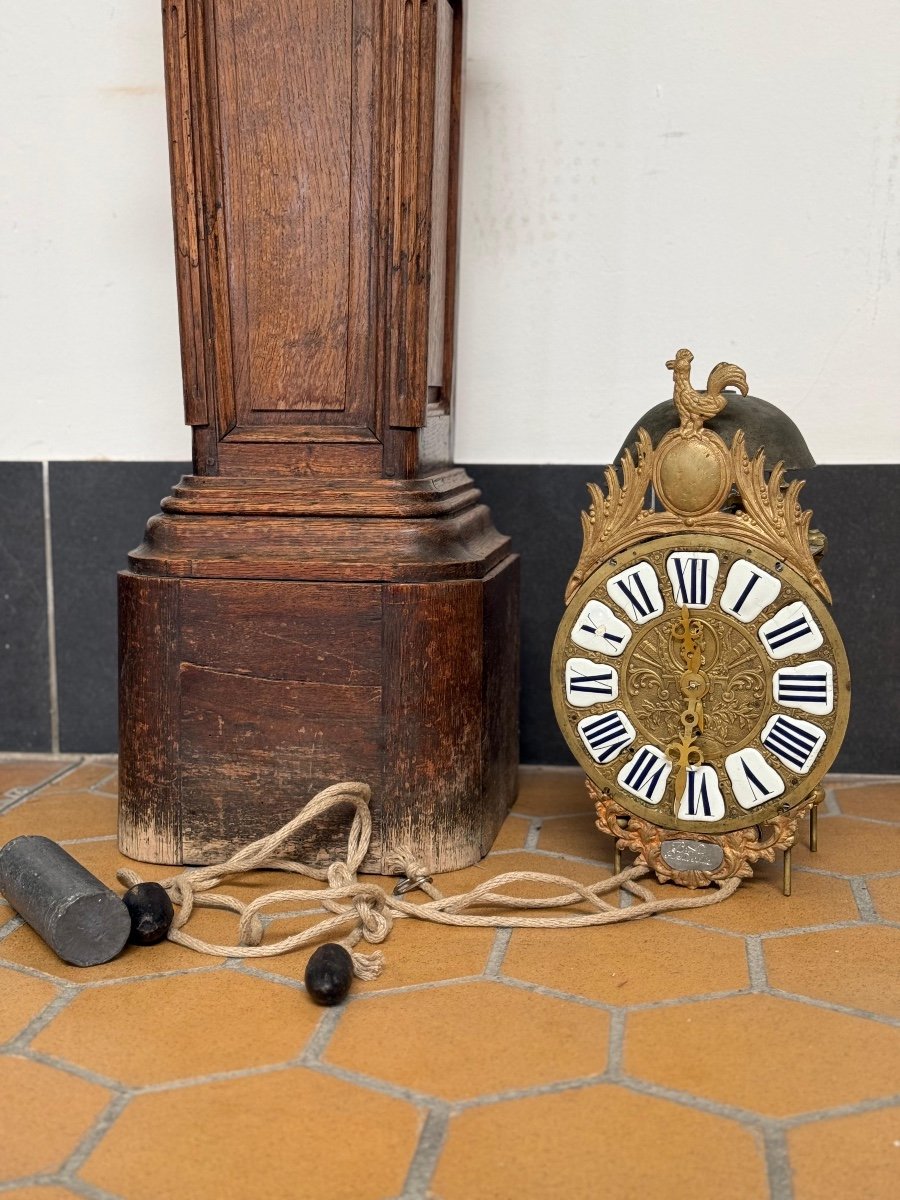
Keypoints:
(365, 911)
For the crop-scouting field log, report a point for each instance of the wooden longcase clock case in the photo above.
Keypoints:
(325, 597)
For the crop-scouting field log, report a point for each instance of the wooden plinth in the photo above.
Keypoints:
(325, 598)
(268, 652)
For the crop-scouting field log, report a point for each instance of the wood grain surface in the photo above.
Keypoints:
(326, 597)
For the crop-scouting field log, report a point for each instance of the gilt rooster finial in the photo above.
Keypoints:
(696, 407)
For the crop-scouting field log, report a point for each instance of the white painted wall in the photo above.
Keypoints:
(639, 175)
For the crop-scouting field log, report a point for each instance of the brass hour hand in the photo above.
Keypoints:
(691, 641)
(683, 754)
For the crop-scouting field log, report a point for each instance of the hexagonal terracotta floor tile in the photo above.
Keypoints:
(550, 792)
(470, 1039)
(859, 967)
(759, 905)
(27, 949)
(576, 835)
(847, 1156)
(21, 999)
(84, 777)
(851, 847)
(104, 859)
(632, 963)
(885, 895)
(180, 1026)
(21, 775)
(281, 1134)
(880, 802)
(40, 1193)
(539, 862)
(60, 816)
(415, 952)
(595, 1141)
(764, 1054)
(51, 1112)
(513, 833)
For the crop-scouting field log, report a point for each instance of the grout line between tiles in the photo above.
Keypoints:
(778, 1163)
(498, 953)
(101, 1127)
(579, 1083)
(11, 926)
(616, 1052)
(534, 832)
(687, 1100)
(863, 899)
(426, 1155)
(322, 1035)
(756, 964)
(852, 1109)
(775, 935)
(20, 1043)
(371, 1083)
(192, 1081)
(10, 802)
(427, 985)
(70, 1068)
(51, 613)
(832, 1006)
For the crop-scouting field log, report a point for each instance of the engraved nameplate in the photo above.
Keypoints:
(688, 854)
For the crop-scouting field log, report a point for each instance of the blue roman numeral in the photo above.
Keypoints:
(750, 585)
(601, 683)
(803, 688)
(691, 588)
(791, 742)
(606, 736)
(697, 794)
(785, 634)
(644, 773)
(758, 788)
(641, 603)
(615, 638)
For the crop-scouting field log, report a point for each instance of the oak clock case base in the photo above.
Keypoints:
(325, 599)
(267, 653)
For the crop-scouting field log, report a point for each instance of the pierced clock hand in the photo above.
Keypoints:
(694, 685)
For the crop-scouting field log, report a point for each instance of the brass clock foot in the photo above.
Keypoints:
(814, 829)
(786, 880)
(617, 861)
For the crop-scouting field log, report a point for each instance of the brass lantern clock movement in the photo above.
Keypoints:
(697, 674)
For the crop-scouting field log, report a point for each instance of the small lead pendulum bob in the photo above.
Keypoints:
(151, 912)
(329, 974)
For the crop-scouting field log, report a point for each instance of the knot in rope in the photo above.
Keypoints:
(360, 911)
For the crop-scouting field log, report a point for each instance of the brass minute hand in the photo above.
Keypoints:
(694, 685)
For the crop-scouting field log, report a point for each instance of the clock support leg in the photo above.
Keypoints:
(814, 828)
(786, 879)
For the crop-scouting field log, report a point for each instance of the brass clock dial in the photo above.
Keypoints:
(700, 682)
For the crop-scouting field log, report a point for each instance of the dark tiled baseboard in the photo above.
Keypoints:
(98, 512)
(25, 704)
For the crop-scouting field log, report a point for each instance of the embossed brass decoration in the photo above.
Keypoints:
(693, 473)
(738, 700)
(741, 849)
(695, 713)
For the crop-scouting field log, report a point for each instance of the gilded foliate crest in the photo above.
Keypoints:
(701, 483)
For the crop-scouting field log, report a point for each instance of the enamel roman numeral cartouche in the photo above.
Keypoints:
(697, 674)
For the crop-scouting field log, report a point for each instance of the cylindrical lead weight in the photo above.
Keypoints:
(76, 915)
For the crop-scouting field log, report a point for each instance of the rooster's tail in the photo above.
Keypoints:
(725, 375)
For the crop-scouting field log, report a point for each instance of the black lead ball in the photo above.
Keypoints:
(151, 913)
(329, 974)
